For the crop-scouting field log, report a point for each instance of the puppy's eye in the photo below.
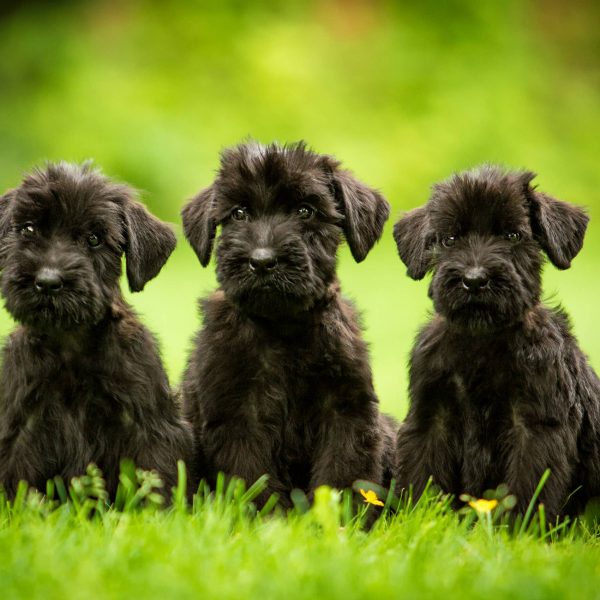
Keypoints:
(305, 211)
(93, 240)
(239, 214)
(513, 236)
(27, 230)
(449, 241)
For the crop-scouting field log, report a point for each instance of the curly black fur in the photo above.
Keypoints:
(82, 379)
(499, 388)
(279, 380)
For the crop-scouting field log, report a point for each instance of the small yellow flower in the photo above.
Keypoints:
(371, 498)
(483, 506)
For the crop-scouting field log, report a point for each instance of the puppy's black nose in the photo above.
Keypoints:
(48, 281)
(475, 279)
(263, 259)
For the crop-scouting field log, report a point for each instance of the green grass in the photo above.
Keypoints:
(219, 547)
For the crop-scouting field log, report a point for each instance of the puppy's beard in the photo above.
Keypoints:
(269, 300)
(284, 292)
(480, 316)
(68, 310)
(501, 303)
(476, 318)
(487, 310)
(58, 316)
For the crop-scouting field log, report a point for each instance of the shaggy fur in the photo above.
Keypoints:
(499, 389)
(82, 380)
(279, 380)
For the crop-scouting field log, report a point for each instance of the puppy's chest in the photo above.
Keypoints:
(292, 383)
(291, 387)
(287, 384)
(484, 382)
(477, 408)
(487, 407)
(74, 395)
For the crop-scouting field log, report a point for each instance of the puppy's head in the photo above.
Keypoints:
(282, 211)
(482, 233)
(63, 232)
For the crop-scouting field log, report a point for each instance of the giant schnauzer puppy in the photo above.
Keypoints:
(279, 381)
(82, 380)
(499, 389)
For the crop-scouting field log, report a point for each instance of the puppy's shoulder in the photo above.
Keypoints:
(430, 336)
(217, 309)
(547, 325)
(17, 341)
(344, 317)
(347, 308)
(547, 337)
(16, 338)
(126, 327)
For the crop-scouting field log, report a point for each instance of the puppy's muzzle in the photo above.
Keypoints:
(263, 260)
(475, 279)
(48, 281)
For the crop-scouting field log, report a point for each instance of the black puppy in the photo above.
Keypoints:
(499, 389)
(279, 380)
(82, 379)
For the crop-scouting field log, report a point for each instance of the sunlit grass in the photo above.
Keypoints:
(219, 546)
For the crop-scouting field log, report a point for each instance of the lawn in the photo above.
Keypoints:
(220, 548)
(404, 94)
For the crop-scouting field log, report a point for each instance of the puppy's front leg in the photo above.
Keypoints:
(535, 449)
(9, 461)
(350, 447)
(22, 453)
(245, 450)
(429, 438)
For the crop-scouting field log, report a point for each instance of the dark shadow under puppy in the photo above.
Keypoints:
(279, 381)
(499, 389)
(82, 380)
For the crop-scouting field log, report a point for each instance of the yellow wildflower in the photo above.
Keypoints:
(371, 497)
(483, 506)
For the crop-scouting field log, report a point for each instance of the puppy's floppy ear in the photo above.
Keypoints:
(199, 224)
(149, 244)
(414, 238)
(5, 219)
(5, 209)
(558, 227)
(365, 213)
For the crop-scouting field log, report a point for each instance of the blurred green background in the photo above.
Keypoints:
(404, 93)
